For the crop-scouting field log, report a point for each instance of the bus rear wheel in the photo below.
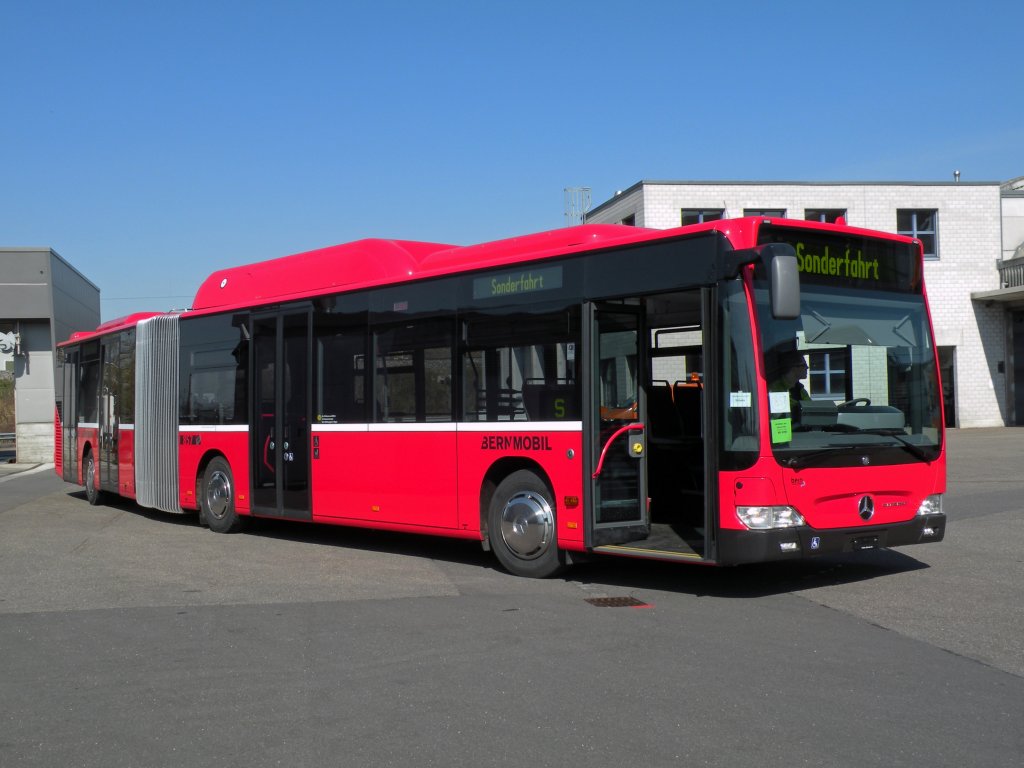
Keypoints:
(521, 527)
(93, 494)
(217, 500)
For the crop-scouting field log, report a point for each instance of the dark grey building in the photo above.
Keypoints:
(43, 299)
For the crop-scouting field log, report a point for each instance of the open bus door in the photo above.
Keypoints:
(280, 423)
(614, 431)
(650, 444)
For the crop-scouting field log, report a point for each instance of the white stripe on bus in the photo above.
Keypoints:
(213, 428)
(451, 426)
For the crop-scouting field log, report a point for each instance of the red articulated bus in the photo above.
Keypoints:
(738, 391)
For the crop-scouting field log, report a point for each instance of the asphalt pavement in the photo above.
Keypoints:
(136, 638)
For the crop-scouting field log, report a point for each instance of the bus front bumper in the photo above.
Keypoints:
(736, 547)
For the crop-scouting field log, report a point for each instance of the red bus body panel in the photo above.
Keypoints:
(88, 438)
(383, 477)
(828, 498)
(58, 444)
(430, 480)
(126, 462)
(482, 445)
(197, 445)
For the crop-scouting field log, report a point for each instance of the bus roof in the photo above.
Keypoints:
(367, 263)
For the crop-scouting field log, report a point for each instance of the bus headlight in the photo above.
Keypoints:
(762, 518)
(932, 505)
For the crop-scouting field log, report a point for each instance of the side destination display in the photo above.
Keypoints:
(517, 283)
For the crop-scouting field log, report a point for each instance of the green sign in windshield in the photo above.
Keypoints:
(848, 263)
(850, 260)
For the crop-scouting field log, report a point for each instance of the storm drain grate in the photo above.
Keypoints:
(617, 602)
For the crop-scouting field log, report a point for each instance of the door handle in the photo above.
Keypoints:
(633, 451)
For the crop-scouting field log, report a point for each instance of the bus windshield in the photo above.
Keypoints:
(852, 381)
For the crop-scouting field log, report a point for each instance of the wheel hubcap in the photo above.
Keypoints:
(527, 525)
(218, 494)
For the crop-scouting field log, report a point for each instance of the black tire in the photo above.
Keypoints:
(93, 494)
(522, 529)
(217, 498)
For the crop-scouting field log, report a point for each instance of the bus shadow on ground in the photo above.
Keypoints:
(188, 519)
(463, 551)
(628, 574)
(441, 548)
(747, 581)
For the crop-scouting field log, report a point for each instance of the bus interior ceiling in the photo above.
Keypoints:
(675, 400)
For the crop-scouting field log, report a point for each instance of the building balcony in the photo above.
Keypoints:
(1010, 292)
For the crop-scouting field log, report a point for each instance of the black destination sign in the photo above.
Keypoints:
(855, 261)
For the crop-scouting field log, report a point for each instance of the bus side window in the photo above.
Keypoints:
(340, 368)
(521, 367)
(412, 378)
(551, 402)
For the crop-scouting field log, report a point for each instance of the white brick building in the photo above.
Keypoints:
(972, 234)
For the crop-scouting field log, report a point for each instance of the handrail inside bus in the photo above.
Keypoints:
(604, 451)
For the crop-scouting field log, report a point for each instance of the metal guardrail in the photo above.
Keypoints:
(1011, 273)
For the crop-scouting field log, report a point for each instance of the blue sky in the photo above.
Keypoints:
(150, 143)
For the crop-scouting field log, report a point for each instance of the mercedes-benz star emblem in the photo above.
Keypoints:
(866, 507)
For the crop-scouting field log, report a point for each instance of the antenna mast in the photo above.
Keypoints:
(577, 205)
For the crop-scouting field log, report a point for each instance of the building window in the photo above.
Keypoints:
(826, 372)
(700, 215)
(825, 215)
(766, 213)
(629, 221)
(922, 224)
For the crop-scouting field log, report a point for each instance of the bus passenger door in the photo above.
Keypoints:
(614, 429)
(69, 417)
(279, 427)
(109, 429)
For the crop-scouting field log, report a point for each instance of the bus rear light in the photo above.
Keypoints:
(932, 505)
(571, 502)
(764, 518)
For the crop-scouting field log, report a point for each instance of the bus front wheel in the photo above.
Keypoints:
(521, 527)
(218, 498)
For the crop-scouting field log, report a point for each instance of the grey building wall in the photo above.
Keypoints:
(76, 301)
(44, 299)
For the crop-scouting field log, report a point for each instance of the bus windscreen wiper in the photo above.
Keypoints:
(806, 459)
(901, 437)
